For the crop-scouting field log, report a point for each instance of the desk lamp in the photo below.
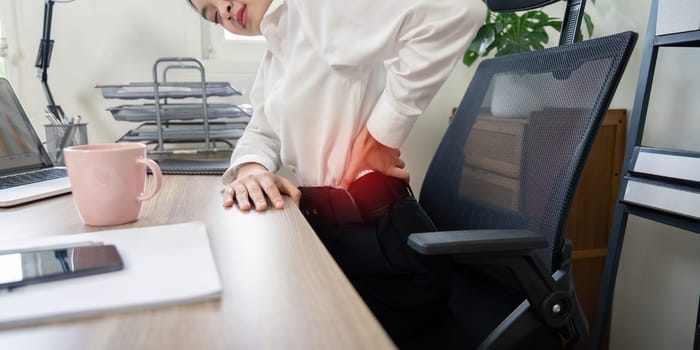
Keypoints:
(43, 58)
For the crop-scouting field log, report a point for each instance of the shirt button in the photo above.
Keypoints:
(293, 169)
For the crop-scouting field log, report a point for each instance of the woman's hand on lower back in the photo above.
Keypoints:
(369, 154)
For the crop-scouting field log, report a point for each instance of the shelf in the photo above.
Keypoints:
(664, 185)
(185, 132)
(678, 221)
(662, 196)
(669, 165)
(685, 39)
(145, 90)
(180, 111)
(661, 185)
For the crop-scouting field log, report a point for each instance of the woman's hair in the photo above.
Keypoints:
(191, 4)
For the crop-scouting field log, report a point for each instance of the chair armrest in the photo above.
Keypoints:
(552, 300)
(476, 241)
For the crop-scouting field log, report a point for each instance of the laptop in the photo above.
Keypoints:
(26, 171)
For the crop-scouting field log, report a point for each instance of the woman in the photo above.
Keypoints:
(337, 93)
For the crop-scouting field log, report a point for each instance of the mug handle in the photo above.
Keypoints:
(155, 169)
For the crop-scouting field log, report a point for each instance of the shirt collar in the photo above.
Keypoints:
(270, 26)
(272, 14)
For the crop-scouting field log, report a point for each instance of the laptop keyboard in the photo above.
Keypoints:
(31, 177)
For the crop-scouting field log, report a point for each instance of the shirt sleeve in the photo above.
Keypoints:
(259, 143)
(431, 39)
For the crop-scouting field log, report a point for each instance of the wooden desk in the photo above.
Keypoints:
(281, 288)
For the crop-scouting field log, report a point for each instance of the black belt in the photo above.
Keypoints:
(366, 199)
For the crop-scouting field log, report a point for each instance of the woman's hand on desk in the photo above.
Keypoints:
(253, 183)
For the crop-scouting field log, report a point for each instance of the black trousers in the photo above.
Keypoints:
(365, 229)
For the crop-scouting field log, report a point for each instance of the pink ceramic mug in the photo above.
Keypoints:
(108, 181)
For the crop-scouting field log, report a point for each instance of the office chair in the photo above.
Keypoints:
(500, 186)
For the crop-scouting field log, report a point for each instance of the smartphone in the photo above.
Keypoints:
(22, 268)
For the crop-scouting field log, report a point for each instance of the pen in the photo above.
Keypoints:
(68, 135)
(52, 117)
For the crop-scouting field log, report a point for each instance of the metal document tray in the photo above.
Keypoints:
(145, 90)
(180, 111)
(185, 132)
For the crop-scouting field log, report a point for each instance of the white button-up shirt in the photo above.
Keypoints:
(334, 66)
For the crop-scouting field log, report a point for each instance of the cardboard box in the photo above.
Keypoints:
(494, 189)
(496, 145)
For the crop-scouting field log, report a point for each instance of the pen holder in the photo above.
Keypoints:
(60, 136)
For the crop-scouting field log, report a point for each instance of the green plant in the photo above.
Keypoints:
(513, 32)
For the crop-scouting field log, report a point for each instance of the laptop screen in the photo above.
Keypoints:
(20, 147)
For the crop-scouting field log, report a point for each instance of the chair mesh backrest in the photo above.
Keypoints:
(512, 155)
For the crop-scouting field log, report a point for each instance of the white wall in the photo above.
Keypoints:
(96, 42)
(107, 41)
(656, 296)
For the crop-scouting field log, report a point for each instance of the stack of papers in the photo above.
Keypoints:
(163, 265)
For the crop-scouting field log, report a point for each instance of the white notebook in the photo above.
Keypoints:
(163, 265)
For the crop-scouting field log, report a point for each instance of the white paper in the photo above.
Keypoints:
(163, 265)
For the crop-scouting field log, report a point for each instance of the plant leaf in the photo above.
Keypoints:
(507, 33)
(469, 58)
(589, 24)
